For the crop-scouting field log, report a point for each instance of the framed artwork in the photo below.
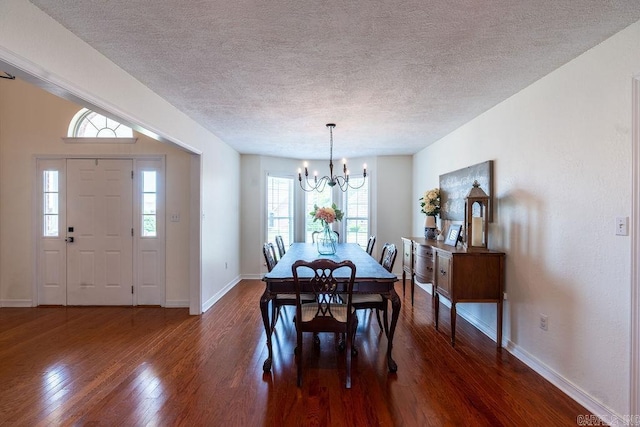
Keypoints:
(453, 233)
(454, 187)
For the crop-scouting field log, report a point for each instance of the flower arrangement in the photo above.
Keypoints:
(326, 215)
(430, 202)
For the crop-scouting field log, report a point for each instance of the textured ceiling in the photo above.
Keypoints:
(265, 76)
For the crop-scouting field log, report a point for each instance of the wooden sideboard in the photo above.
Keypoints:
(456, 274)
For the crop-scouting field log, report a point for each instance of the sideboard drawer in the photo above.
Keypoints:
(424, 263)
(443, 274)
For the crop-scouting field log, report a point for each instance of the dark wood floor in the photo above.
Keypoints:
(153, 366)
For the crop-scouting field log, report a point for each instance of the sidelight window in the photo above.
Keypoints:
(51, 203)
(149, 204)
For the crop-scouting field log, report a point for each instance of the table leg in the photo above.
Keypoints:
(413, 287)
(404, 279)
(395, 305)
(264, 309)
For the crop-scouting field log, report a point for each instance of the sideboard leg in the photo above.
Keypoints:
(499, 325)
(436, 308)
(453, 323)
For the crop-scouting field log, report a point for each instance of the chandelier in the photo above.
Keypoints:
(319, 184)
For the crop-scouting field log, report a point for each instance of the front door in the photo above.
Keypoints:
(99, 228)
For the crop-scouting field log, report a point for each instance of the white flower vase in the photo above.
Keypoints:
(326, 241)
(430, 228)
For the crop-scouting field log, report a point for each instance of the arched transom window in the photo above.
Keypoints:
(89, 124)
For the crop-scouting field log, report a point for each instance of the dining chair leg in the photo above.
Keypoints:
(348, 355)
(379, 322)
(298, 356)
(385, 317)
(275, 312)
(351, 349)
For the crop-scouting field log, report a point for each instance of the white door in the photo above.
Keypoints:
(99, 230)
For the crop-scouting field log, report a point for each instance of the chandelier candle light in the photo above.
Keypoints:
(318, 184)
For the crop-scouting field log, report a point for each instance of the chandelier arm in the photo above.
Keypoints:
(316, 185)
(345, 184)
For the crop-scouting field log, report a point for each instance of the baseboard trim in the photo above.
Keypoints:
(567, 387)
(570, 389)
(177, 304)
(16, 303)
(215, 298)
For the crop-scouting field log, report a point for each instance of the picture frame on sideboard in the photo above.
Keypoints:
(453, 233)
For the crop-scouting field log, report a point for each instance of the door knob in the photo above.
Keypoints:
(69, 240)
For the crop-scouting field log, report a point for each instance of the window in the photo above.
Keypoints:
(89, 126)
(314, 198)
(51, 203)
(149, 204)
(280, 209)
(356, 212)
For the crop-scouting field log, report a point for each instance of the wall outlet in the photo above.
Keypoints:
(544, 322)
(175, 217)
(622, 226)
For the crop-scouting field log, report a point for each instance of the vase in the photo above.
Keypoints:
(326, 241)
(430, 228)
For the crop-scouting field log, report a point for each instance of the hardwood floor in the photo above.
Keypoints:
(153, 366)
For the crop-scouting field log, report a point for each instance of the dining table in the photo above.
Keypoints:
(371, 278)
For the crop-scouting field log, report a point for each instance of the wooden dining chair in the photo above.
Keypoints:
(327, 313)
(280, 300)
(370, 244)
(377, 301)
(280, 245)
(269, 255)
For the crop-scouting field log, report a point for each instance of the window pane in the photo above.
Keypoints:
(51, 225)
(280, 209)
(149, 225)
(50, 181)
(357, 212)
(149, 203)
(149, 181)
(92, 124)
(357, 231)
(314, 198)
(51, 203)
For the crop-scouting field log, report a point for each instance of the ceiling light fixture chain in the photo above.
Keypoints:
(319, 184)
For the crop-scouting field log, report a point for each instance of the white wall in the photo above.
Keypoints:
(390, 187)
(34, 45)
(562, 150)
